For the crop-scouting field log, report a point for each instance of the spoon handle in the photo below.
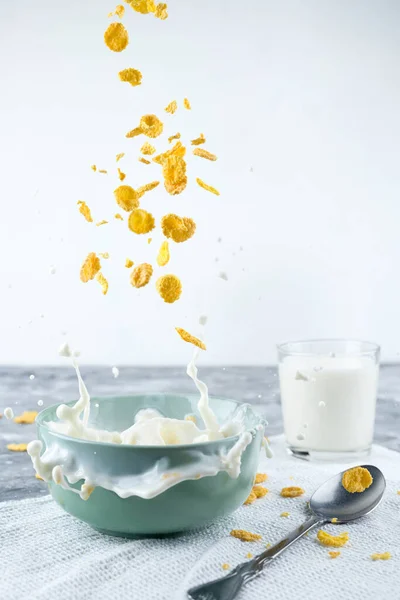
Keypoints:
(226, 588)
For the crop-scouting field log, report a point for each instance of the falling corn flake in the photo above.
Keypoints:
(116, 37)
(142, 6)
(172, 107)
(174, 137)
(225, 566)
(119, 11)
(292, 492)
(186, 104)
(118, 217)
(169, 287)
(191, 339)
(103, 171)
(260, 478)
(147, 188)
(163, 254)
(249, 555)
(17, 447)
(207, 187)
(334, 554)
(100, 223)
(245, 536)
(126, 197)
(204, 154)
(174, 173)
(177, 149)
(85, 211)
(119, 156)
(144, 161)
(383, 556)
(178, 228)
(284, 514)
(149, 240)
(141, 275)
(147, 149)
(103, 282)
(151, 126)
(94, 168)
(90, 267)
(250, 498)
(134, 132)
(161, 11)
(129, 263)
(27, 418)
(140, 221)
(356, 480)
(121, 175)
(132, 76)
(200, 140)
(336, 541)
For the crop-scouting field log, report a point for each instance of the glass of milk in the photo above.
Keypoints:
(328, 395)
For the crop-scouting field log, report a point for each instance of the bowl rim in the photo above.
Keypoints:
(41, 423)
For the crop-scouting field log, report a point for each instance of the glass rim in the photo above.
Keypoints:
(287, 346)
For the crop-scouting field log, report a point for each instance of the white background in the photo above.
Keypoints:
(299, 99)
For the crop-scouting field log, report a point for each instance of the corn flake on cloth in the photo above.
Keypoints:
(47, 554)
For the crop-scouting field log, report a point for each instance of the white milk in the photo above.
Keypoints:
(328, 402)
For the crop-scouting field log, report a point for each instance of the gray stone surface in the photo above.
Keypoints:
(257, 385)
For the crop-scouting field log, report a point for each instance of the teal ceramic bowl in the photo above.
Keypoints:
(188, 504)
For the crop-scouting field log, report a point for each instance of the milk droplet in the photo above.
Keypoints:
(300, 437)
(203, 319)
(305, 425)
(219, 240)
(223, 275)
(8, 413)
(31, 377)
(115, 371)
(53, 270)
(259, 396)
(322, 404)
(40, 402)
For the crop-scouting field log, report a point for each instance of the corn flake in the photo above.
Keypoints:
(334, 520)
(119, 11)
(336, 541)
(285, 514)
(147, 188)
(90, 267)
(260, 491)
(169, 287)
(151, 126)
(144, 161)
(126, 197)
(292, 492)
(103, 171)
(356, 480)
(140, 221)
(172, 107)
(85, 211)
(174, 172)
(177, 150)
(174, 137)
(161, 11)
(27, 418)
(197, 141)
(118, 217)
(147, 149)
(17, 447)
(104, 255)
(163, 254)
(121, 175)
(149, 240)
(383, 556)
(132, 76)
(245, 536)
(134, 132)
(142, 6)
(38, 477)
(191, 339)
(103, 222)
(119, 156)
(178, 228)
(334, 554)
(129, 263)
(250, 498)
(103, 282)
(207, 187)
(186, 104)
(94, 168)
(204, 154)
(141, 275)
(116, 37)
(260, 478)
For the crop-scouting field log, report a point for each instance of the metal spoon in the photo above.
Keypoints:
(330, 501)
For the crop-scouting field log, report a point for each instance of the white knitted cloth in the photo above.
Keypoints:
(47, 554)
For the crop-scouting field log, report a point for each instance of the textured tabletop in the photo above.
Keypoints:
(257, 385)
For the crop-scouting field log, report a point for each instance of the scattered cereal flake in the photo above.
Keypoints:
(383, 556)
(334, 520)
(186, 104)
(149, 240)
(151, 126)
(245, 536)
(27, 418)
(120, 11)
(147, 149)
(134, 132)
(334, 554)
(336, 541)
(174, 172)
(126, 197)
(104, 255)
(129, 263)
(191, 339)
(103, 171)
(207, 187)
(176, 136)
(177, 149)
(260, 478)
(140, 221)
(142, 6)
(204, 154)
(169, 287)
(119, 156)
(398, 492)
(356, 480)
(121, 175)
(163, 254)
(147, 188)
(249, 555)
(86, 491)
(118, 217)
(90, 267)
(17, 447)
(38, 477)
(85, 211)
(178, 228)
(161, 11)
(285, 514)
(200, 140)
(132, 76)
(172, 107)
(141, 275)
(103, 282)
(260, 491)
(292, 492)
(103, 222)
(268, 545)
(250, 498)
(190, 418)
(225, 566)
(144, 161)
(94, 168)
(116, 37)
